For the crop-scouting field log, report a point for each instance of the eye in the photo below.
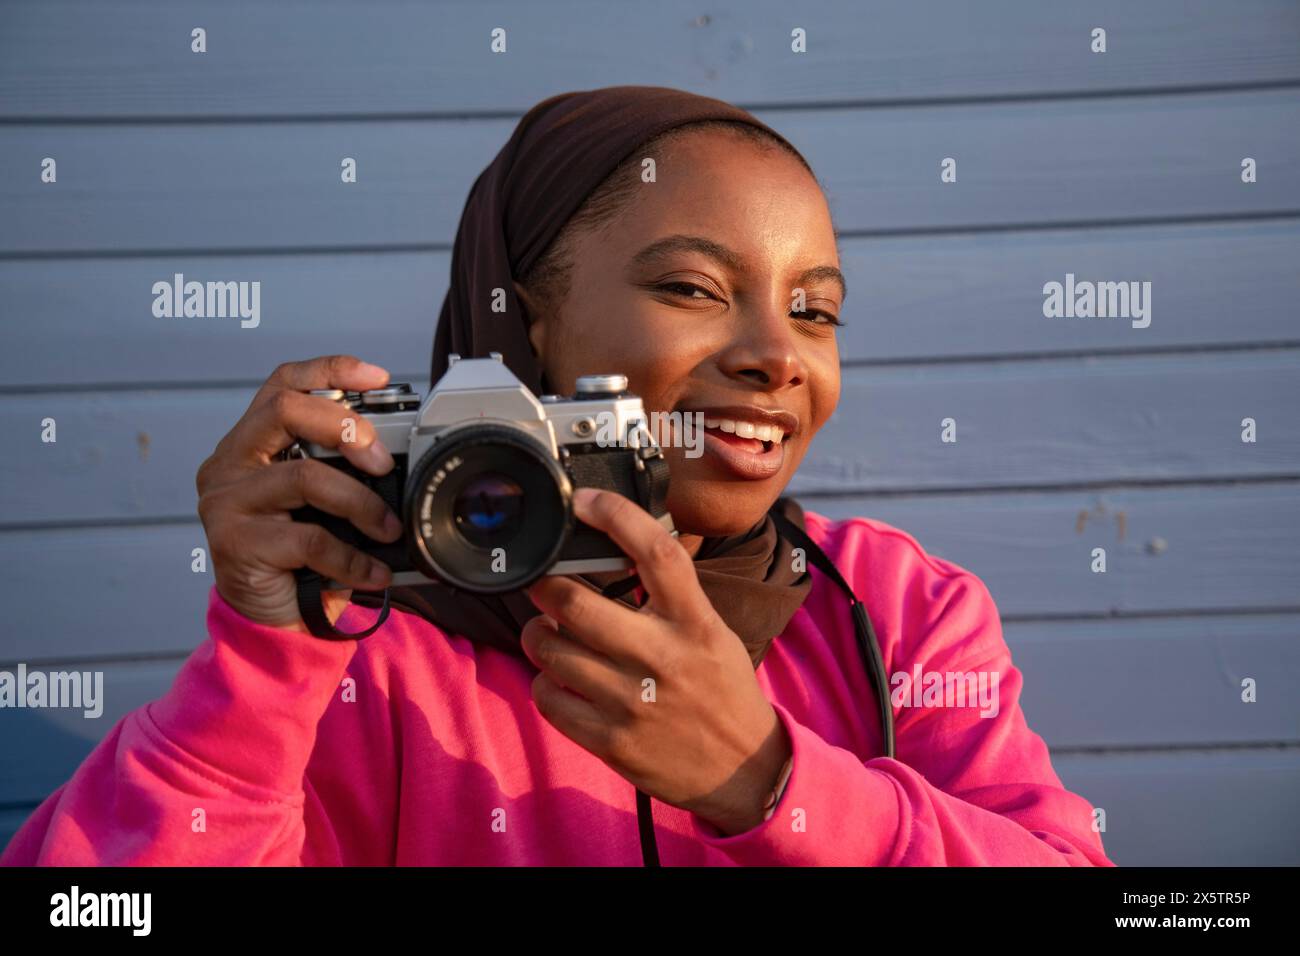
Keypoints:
(685, 289)
(818, 317)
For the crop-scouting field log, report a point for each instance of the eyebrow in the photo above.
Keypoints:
(727, 257)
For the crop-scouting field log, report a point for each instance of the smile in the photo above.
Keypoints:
(748, 441)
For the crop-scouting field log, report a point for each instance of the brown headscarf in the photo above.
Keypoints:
(562, 149)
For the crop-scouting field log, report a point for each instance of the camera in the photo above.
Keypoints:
(485, 472)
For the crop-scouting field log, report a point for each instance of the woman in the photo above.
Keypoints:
(509, 736)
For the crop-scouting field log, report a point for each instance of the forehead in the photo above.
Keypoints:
(759, 201)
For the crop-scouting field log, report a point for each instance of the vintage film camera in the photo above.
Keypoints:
(485, 473)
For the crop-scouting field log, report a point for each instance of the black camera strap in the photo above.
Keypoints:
(651, 477)
(868, 646)
(311, 606)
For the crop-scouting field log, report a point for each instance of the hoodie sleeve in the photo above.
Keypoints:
(211, 773)
(971, 786)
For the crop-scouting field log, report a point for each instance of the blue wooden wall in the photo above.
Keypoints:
(1072, 433)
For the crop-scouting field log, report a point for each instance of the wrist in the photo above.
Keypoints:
(754, 800)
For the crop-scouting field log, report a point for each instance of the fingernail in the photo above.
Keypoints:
(372, 371)
(378, 575)
(584, 496)
(392, 525)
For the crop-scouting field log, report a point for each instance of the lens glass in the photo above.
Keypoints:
(489, 510)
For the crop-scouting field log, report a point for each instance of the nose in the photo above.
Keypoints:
(764, 351)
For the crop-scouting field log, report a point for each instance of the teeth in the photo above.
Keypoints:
(772, 433)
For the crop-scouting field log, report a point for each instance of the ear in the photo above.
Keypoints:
(534, 318)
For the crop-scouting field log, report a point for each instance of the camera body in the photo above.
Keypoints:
(485, 471)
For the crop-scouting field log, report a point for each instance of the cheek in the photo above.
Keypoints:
(660, 381)
(824, 390)
(658, 359)
(650, 353)
(582, 347)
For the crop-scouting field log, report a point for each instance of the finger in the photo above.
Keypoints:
(326, 371)
(599, 623)
(286, 485)
(286, 415)
(665, 569)
(287, 545)
(573, 666)
(577, 719)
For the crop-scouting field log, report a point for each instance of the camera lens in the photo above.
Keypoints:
(488, 509)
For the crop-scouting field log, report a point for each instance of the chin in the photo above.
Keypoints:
(705, 500)
(714, 509)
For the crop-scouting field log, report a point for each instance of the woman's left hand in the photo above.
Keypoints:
(702, 736)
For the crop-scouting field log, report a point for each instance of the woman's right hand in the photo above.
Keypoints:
(246, 494)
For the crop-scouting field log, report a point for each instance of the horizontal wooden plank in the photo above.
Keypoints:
(132, 455)
(1062, 421)
(1195, 548)
(96, 593)
(1225, 548)
(1175, 681)
(911, 299)
(214, 187)
(302, 58)
(91, 320)
(1189, 808)
(920, 298)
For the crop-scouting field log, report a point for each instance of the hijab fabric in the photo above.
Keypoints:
(562, 149)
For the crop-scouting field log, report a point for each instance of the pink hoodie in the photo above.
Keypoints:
(437, 754)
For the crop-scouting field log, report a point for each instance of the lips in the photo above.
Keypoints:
(743, 461)
(747, 441)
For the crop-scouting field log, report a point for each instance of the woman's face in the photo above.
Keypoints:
(690, 293)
